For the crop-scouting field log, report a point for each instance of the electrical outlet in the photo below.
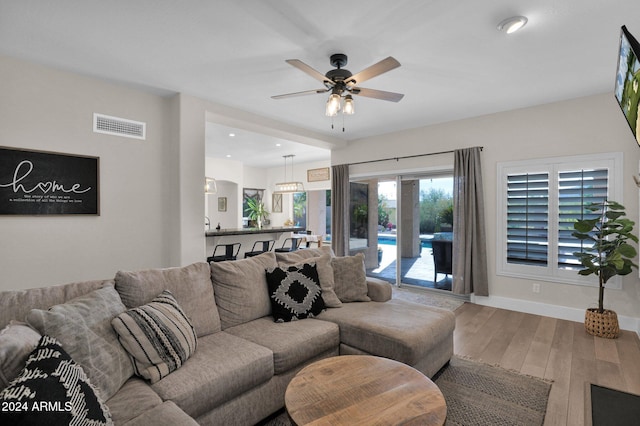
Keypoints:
(536, 288)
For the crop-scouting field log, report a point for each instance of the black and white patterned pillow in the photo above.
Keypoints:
(295, 292)
(158, 336)
(53, 390)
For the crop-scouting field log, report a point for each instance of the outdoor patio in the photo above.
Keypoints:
(416, 271)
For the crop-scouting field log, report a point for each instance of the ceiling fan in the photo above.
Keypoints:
(343, 84)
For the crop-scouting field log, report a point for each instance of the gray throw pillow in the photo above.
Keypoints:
(17, 340)
(83, 328)
(326, 277)
(350, 277)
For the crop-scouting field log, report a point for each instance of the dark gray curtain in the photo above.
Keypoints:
(340, 209)
(469, 246)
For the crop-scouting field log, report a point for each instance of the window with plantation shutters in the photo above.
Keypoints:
(538, 203)
(528, 218)
(576, 189)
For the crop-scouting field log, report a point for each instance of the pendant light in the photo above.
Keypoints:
(210, 186)
(288, 187)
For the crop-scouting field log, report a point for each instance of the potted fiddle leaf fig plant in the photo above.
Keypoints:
(610, 255)
(256, 211)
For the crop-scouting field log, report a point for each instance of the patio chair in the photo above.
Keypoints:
(442, 255)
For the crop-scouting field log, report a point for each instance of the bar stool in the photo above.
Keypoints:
(230, 252)
(266, 245)
(295, 244)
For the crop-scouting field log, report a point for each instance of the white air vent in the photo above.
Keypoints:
(119, 126)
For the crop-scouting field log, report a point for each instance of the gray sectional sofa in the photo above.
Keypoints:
(244, 360)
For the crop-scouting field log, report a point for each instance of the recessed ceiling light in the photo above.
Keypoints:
(231, 135)
(513, 24)
(228, 155)
(278, 144)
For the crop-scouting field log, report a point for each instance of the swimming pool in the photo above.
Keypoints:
(389, 240)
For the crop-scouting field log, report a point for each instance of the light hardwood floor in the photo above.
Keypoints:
(553, 349)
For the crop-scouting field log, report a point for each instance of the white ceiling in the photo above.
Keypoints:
(258, 150)
(455, 64)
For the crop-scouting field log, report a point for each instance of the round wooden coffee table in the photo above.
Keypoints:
(363, 390)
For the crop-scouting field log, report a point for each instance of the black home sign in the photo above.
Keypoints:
(45, 183)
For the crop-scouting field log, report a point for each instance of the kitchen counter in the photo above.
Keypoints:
(248, 231)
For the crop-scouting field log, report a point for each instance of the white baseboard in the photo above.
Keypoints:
(554, 311)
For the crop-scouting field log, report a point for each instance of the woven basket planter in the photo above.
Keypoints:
(603, 324)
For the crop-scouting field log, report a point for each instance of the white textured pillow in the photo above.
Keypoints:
(83, 328)
(158, 336)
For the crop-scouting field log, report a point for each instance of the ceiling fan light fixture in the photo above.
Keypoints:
(513, 24)
(349, 105)
(333, 105)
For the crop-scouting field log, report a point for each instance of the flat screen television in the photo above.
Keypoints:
(627, 89)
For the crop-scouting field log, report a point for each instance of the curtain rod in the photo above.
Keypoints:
(404, 157)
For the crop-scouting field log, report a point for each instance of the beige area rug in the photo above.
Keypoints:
(427, 298)
(481, 395)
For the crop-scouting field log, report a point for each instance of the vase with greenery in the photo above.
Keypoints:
(256, 211)
(610, 254)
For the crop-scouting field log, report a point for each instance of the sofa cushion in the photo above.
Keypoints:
(52, 389)
(190, 285)
(396, 329)
(379, 290)
(350, 278)
(83, 327)
(166, 414)
(292, 343)
(223, 367)
(240, 288)
(298, 256)
(295, 292)
(16, 304)
(17, 340)
(325, 274)
(158, 336)
(132, 399)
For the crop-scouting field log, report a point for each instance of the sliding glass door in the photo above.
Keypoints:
(413, 212)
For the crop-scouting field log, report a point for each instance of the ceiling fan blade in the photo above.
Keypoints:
(373, 71)
(306, 92)
(377, 94)
(310, 71)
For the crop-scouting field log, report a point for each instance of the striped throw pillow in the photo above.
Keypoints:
(158, 336)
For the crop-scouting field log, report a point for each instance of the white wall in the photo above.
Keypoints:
(586, 125)
(228, 218)
(46, 109)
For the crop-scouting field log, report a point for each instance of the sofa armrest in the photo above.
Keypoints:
(378, 290)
